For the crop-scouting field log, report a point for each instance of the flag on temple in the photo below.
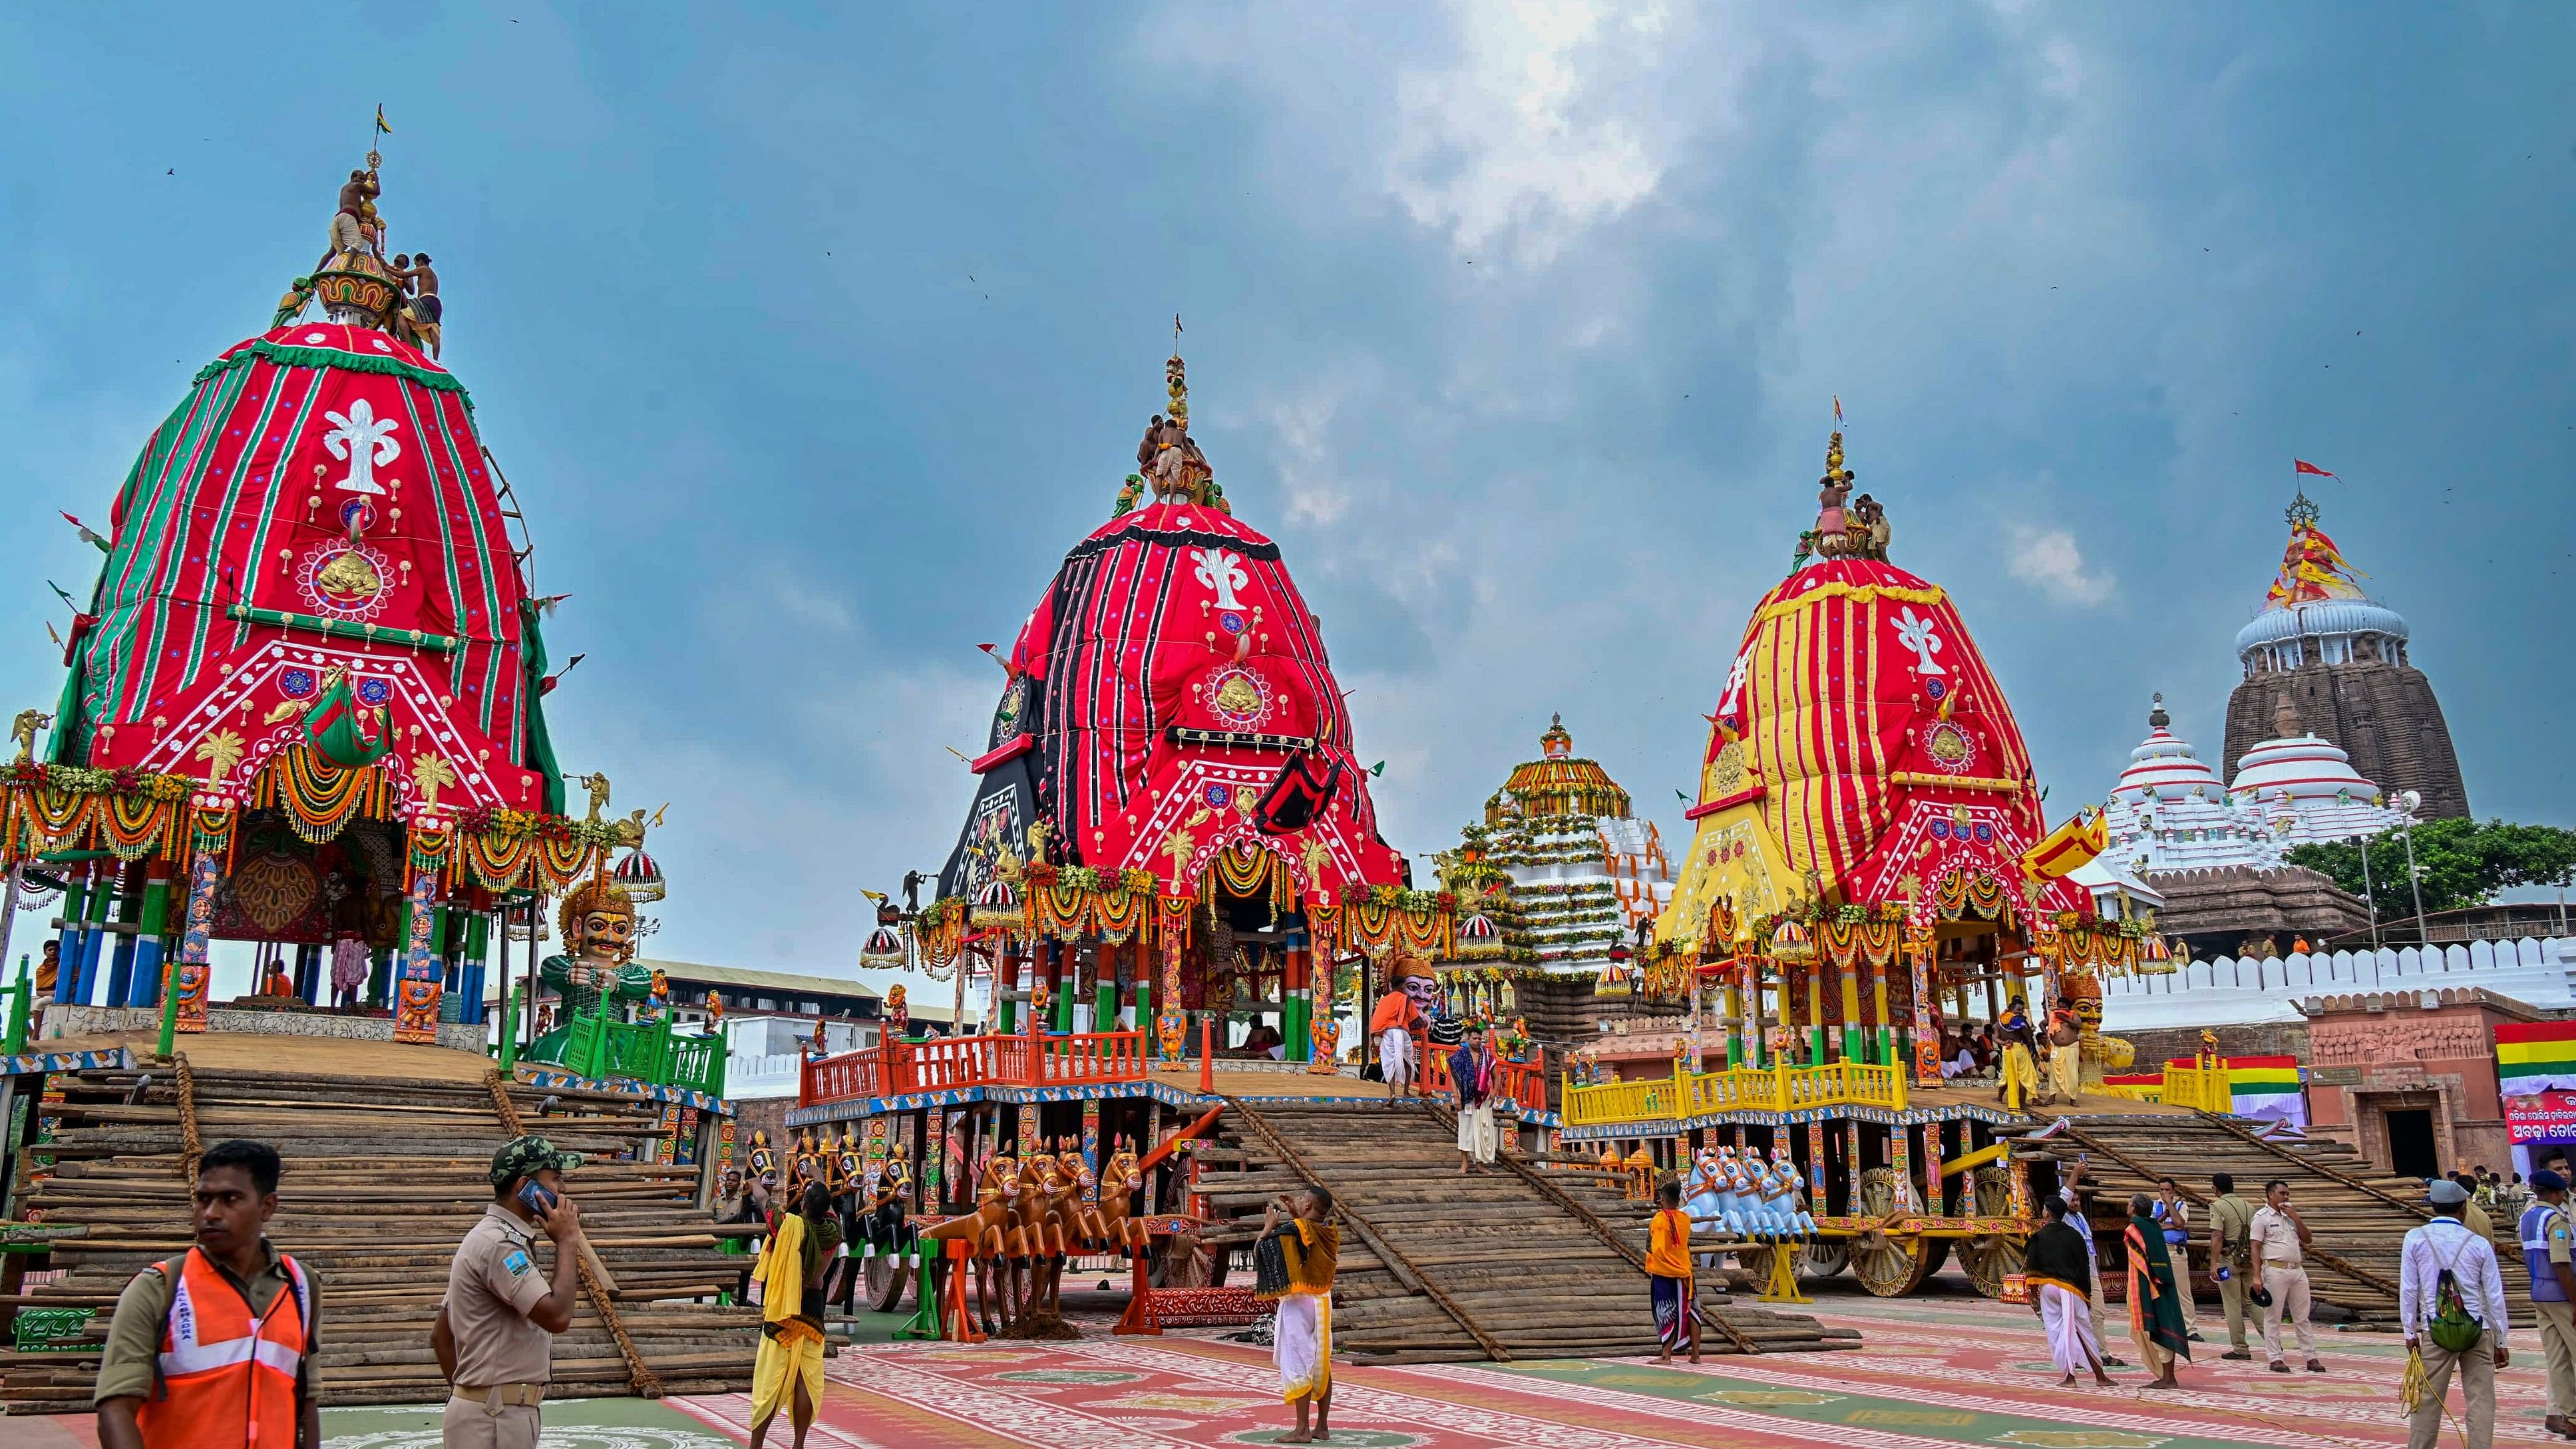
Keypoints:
(336, 728)
(2534, 1057)
(2301, 465)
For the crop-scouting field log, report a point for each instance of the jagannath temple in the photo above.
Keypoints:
(1555, 885)
(2343, 662)
(1169, 824)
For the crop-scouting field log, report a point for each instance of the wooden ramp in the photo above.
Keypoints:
(1513, 1263)
(383, 1177)
(2358, 1215)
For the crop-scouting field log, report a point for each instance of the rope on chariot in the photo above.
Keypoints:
(639, 1375)
(190, 1148)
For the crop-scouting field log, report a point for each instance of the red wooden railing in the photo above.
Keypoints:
(1524, 1083)
(949, 1063)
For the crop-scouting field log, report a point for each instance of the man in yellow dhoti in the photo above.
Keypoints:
(1295, 1261)
(788, 1371)
(2065, 1056)
(2017, 1078)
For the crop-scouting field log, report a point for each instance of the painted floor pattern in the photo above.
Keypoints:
(1936, 1373)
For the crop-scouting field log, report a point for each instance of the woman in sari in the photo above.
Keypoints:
(2158, 1319)
(2059, 1268)
(1300, 1254)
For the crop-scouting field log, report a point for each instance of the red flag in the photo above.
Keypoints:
(2301, 465)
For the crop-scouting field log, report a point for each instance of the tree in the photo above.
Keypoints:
(2462, 863)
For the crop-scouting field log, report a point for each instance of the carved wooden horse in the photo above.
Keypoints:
(987, 1230)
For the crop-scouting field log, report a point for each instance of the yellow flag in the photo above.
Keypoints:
(381, 128)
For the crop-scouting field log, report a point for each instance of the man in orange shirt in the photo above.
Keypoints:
(1669, 1271)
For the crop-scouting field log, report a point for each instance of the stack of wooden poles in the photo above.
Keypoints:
(383, 1177)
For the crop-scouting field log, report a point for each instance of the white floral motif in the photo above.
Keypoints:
(1915, 632)
(1221, 571)
(366, 441)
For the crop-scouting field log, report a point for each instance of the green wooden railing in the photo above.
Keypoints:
(648, 1051)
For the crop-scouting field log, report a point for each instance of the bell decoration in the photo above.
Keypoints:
(884, 948)
(641, 876)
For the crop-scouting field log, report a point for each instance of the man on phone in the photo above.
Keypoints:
(495, 1330)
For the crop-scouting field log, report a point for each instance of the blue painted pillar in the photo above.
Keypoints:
(67, 944)
(129, 910)
(93, 938)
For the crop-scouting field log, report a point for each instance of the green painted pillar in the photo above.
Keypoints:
(510, 1033)
(1104, 994)
(19, 997)
(1006, 978)
(1062, 954)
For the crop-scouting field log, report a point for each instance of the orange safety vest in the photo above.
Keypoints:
(227, 1380)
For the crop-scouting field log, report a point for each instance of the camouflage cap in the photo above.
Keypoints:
(527, 1156)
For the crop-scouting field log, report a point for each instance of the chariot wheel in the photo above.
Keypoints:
(1889, 1267)
(887, 1276)
(1826, 1257)
(1989, 1259)
(1756, 1262)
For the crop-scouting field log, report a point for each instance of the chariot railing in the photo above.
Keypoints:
(951, 1063)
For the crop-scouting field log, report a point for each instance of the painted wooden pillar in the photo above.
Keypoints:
(67, 941)
(1297, 998)
(1091, 1147)
(1885, 1047)
(1852, 1028)
(1006, 971)
(1924, 1046)
(421, 981)
(129, 912)
(1932, 1167)
(1061, 983)
(1734, 1026)
(1816, 970)
(478, 948)
(1105, 971)
(153, 924)
(1140, 985)
(187, 1010)
(1900, 1162)
(93, 936)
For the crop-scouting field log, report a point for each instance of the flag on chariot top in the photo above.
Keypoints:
(2534, 1057)
(381, 128)
(2302, 465)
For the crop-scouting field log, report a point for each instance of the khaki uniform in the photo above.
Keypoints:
(503, 1360)
(2557, 1320)
(2233, 1216)
(2285, 1277)
(133, 1350)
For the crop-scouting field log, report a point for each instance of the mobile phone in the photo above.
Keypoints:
(536, 1199)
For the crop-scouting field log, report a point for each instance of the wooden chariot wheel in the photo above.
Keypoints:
(1989, 1258)
(1826, 1257)
(887, 1276)
(1889, 1267)
(1755, 1263)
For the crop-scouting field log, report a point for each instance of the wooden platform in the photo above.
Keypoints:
(1983, 1095)
(387, 1162)
(1240, 1081)
(311, 1055)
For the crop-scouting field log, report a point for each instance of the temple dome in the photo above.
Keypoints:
(2334, 619)
(1558, 783)
(2306, 787)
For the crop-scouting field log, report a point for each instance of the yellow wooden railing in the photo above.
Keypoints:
(1743, 1089)
(2203, 1089)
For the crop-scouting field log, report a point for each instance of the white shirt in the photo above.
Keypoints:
(2448, 1243)
(2276, 1238)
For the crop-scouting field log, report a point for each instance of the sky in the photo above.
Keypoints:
(812, 339)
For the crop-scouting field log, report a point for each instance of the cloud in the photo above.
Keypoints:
(1538, 129)
(2048, 559)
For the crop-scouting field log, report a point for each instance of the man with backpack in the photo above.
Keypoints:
(2450, 1304)
(2547, 1236)
(216, 1346)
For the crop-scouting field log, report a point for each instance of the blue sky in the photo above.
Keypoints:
(812, 341)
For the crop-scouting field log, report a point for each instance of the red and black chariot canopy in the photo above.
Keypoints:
(1162, 686)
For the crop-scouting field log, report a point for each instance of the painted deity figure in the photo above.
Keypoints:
(597, 922)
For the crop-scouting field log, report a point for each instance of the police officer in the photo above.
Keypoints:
(495, 1330)
(2546, 1234)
